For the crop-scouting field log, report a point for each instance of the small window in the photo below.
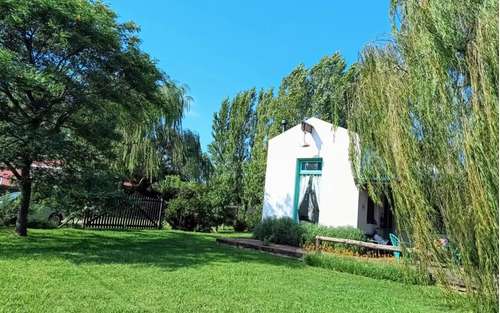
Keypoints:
(311, 166)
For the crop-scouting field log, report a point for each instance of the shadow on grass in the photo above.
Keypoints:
(170, 250)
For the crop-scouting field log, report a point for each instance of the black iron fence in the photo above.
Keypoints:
(137, 212)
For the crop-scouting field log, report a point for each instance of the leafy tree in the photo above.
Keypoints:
(152, 138)
(313, 92)
(426, 112)
(239, 149)
(233, 129)
(81, 185)
(189, 205)
(294, 99)
(220, 128)
(70, 77)
(319, 91)
(255, 169)
(218, 151)
(185, 157)
(330, 86)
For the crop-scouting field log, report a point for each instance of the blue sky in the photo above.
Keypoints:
(218, 48)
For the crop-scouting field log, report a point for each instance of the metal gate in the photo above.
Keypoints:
(138, 212)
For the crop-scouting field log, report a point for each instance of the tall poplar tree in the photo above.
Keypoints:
(255, 169)
(232, 132)
(319, 91)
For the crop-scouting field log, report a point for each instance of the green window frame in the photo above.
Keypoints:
(300, 171)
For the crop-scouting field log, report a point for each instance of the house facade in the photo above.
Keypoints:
(309, 178)
(8, 179)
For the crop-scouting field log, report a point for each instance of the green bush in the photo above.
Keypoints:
(310, 231)
(41, 224)
(350, 265)
(253, 217)
(190, 210)
(240, 224)
(284, 230)
(281, 231)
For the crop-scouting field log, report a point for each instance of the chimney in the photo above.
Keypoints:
(283, 125)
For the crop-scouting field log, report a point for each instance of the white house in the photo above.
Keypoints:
(309, 178)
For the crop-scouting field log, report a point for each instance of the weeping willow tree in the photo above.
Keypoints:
(148, 133)
(425, 108)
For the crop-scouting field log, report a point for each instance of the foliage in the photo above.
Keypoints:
(229, 150)
(310, 231)
(41, 224)
(366, 268)
(232, 130)
(90, 185)
(279, 230)
(189, 208)
(241, 129)
(190, 272)
(8, 209)
(284, 230)
(73, 82)
(255, 168)
(318, 91)
(426, 112)
(240, 224)
(253, 217)
(169, 183)
(154, 143)
(161, 147)
(312, 92)
(185, 157)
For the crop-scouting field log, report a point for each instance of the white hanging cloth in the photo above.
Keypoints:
(303, 184)
(314, 208)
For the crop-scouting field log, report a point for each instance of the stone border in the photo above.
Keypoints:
(254, 244)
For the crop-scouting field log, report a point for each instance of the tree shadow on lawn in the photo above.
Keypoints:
(170, 250)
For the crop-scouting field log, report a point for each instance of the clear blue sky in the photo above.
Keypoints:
(218, 48)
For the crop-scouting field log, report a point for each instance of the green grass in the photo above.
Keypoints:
(366, 267)
(68, 270)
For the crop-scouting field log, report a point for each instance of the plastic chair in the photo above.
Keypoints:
(458, 256)
(395, 243)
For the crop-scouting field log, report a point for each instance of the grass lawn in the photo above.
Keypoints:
(69, 270)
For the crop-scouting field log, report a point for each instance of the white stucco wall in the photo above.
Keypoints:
(339, 195)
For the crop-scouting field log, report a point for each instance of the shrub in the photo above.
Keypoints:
(281, 231)
(366, 268)
(190, 210)
(253, 217)
(310, 231)
(222, 215)
(240, 224)
(285, 231)
(42, 224)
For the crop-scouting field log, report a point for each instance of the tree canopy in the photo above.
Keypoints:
(243, 125)
(73, 81)
(426, 112)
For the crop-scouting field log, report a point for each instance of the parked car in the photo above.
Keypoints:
(39, 212)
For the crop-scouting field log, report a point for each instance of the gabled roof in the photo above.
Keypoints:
(319, 126)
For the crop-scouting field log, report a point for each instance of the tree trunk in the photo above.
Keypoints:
(22, 214)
